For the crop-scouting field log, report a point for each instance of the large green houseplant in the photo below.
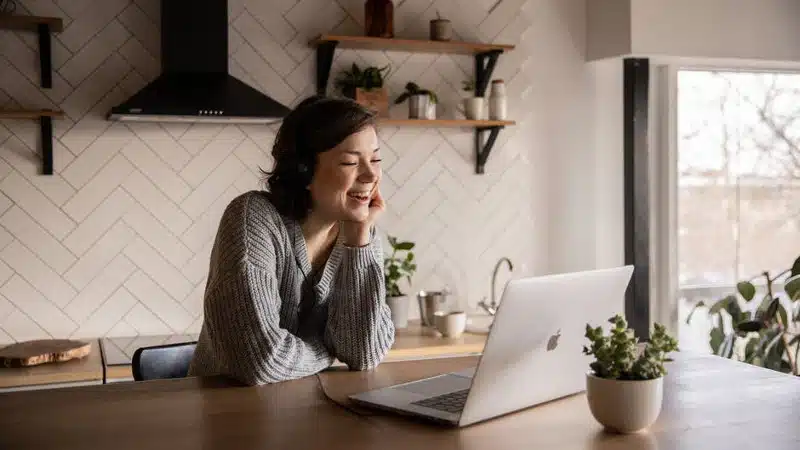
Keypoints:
(398, 265)
(765, 333)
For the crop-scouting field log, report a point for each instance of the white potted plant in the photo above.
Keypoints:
(625, 386)
(473, 105)
(421, 102)
(396, 267)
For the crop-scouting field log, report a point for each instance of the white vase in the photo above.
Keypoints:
(624, 406)
(473, 108)
(497, 101)
(398, 306)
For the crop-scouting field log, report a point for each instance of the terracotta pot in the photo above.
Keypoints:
(374, 99)
(624, 406)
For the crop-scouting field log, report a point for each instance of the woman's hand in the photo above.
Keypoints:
(356, 234)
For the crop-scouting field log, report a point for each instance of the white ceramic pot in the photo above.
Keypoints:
(624, 406)
(398, 306)
(473, 108)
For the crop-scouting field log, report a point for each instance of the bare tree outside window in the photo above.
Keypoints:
(738, 182)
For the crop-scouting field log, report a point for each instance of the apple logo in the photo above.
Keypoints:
(552, 343)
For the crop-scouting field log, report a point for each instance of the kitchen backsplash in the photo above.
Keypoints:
(116, 242)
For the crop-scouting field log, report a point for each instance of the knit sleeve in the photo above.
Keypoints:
(242, 314)
(360, 329)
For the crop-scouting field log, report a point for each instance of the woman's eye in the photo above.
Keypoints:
(377, 160)
(346, 163)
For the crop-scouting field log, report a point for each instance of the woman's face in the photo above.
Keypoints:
(346, 177)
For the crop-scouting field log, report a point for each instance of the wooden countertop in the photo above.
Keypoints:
(414, 342)
(88, 369)
(709, 403)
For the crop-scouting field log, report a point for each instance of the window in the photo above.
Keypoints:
(738, 176)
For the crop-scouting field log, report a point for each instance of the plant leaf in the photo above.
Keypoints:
(721, 304)
(792, 287)
(746, 290)
(734, 310)
(796, 267)
(726, 351)
(750, 326)
(405, 246)
(772, 309)
(750, 349)
(699, 304)
(717, 336)
(784, 316)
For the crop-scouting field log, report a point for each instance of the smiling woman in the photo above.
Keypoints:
(296, 273)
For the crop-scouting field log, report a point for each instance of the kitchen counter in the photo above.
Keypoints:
(110, 358)
(75, 372)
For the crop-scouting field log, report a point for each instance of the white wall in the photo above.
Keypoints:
(749, 29)
(608, 28)
(116, 242)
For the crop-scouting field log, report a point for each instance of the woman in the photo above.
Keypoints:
(296, 273)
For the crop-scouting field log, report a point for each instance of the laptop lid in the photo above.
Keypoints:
(533, 353)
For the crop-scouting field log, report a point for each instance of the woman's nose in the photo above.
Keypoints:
(370, 174)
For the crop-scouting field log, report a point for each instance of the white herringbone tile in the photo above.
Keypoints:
(46, 314)
(99, 255)
(151, 295)
(100, 187)
(158, 172)
(125, 227)
(82, 63)
(156, 202)
(98, 222)
(106, 316)
(100, 288)
(33, 202)
(212, 187)
(159, 269)
(160, 238)
(37, 239)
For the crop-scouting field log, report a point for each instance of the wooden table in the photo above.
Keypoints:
(710, 403)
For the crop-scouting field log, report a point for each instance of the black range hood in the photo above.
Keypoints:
(194, 85)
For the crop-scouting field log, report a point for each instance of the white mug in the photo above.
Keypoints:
(473, 108)
(450, 324)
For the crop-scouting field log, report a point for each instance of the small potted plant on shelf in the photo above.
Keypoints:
(366, 87)
(421, 102)
(473, 105)
(396, 267)
(625, 385)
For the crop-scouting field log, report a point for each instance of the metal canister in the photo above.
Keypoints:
(430, 302)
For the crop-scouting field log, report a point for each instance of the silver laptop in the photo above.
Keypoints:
(533, 353)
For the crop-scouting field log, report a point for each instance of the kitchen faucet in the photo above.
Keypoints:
(491, 308)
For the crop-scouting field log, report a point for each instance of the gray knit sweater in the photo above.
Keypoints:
(267, 318)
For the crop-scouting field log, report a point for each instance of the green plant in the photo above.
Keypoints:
(370, 78)
(616, 354)
(767, 335)
(468, 85)
(397, 266)
(414, 89)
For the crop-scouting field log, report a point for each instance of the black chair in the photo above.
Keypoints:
(162, 361)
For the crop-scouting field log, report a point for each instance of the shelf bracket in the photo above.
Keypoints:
(45, 56)
(325, 51)
(484, 66)
(46, 127)
(482, 150)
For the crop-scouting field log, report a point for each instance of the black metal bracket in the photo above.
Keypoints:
(46, 128)
(325, 51)
(482, 150)
(484, 66)
(45, 56)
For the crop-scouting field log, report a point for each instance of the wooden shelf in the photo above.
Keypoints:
(45, 118)
(29, 113)
(410, 45)
(446, 123)
(42, 26)
(30, 23)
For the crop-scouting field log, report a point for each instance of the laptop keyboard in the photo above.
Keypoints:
(452, 402)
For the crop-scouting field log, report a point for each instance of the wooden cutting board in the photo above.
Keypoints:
(32, 353)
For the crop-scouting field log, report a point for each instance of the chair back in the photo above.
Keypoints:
(162, 361)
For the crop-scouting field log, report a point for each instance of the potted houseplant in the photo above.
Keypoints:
(625, 383)
(398, 265)
(421, 102)
(366, 87)
(765, 333)
(473, 105)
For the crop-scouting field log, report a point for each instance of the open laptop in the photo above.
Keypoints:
(533, 353)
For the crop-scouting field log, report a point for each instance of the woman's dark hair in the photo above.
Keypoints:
(314, 126)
